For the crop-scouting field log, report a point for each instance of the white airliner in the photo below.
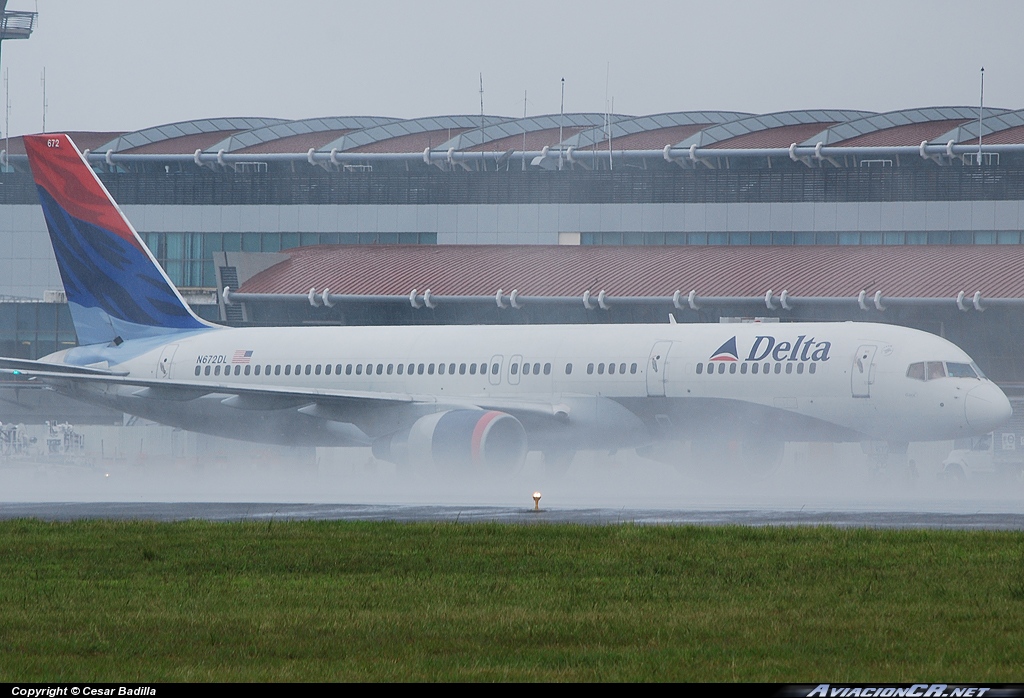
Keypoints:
(474, 396)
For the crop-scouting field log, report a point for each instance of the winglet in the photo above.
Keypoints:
(115, 287)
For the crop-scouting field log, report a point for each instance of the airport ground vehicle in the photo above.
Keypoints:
(997, 454)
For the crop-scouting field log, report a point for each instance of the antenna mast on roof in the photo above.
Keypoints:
(524, 130)
(44, 98)
(561, 120)
(482, 141)
(7, 117)
(981, 112)
(608, 113)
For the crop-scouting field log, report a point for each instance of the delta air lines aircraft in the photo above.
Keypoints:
(475, 397)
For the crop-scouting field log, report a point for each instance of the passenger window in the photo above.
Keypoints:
(267, 370)
(590, 369)
(359, 369)
(277, 370)
(812, 368)
(337, 369)
(483, 369)
(743, 369)
(700, 369)
(248, 368)
(472, 369)
(632, 368)
(568, 369)
(348, 370)
(526, 369)
(611, 369)
(440, 369)
(721, 368)
(327, 369)
(494, 369)
(799, 368)
(778, 369)
(789, 368)
(451, 369)
(622, 368)
(732, 368)
(754, 368)
(600, 369)
(369, 369)
(462, 369)
(935, 370)
(766, 369)
(513, 369)
(316, 370)
(391, 368)
(419, 369)
(547, 369)
(401, 367)
(410, 369)
(430, 370)
(287, 369)
(380, 369)
(198, 370)
(257, 371)
(238, 370)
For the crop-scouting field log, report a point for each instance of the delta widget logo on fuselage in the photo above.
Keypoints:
(768, 347)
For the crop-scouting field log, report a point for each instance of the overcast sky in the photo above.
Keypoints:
(126, 64)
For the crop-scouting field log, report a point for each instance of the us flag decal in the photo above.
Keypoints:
(241, 356)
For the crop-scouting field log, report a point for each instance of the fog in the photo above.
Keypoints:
(157, 464)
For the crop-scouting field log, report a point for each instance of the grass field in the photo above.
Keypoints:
(312, 601)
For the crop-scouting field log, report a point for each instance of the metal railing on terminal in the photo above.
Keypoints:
(594, 300)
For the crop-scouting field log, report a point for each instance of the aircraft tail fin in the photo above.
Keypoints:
(116, 289)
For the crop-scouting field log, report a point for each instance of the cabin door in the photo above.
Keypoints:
(657, 369)
(862, 374)
(163, 367)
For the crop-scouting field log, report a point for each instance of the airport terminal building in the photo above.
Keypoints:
(914, 216)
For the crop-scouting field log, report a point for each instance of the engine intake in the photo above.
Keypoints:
(459, 441)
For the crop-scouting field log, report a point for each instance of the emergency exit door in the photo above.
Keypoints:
(862, 374)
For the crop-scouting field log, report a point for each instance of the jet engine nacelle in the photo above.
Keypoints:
(459, 441)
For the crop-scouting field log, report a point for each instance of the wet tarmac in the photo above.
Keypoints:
(248, 511)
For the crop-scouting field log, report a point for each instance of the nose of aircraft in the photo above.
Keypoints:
(987, 407)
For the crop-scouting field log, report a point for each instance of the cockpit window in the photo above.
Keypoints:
(960, 371)
(916, 371)
(930, 370)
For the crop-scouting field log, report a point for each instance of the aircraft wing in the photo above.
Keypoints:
(333, 404)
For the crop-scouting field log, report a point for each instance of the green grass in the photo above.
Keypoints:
(312, 601)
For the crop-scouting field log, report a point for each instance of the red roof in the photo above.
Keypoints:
(182, 144)
(908, 134)
(299, 143)
(655, 139)
(928, 271)
(410, 143)
(779, 137)
(535, 140)
(1011, 135)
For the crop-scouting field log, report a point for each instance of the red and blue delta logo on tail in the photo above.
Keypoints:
(115, 288)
